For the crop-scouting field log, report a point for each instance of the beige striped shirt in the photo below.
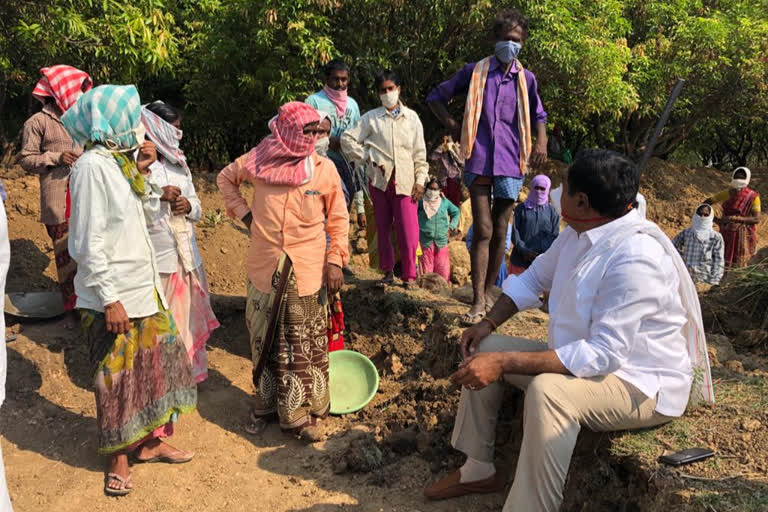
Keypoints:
(44, 140)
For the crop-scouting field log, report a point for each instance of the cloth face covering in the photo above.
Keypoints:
(390, 99)
(165, 136)
(538, 197)
(64, 84)
(338, 98)
(432, 201)
(739, 184)
(507, 51)
(281, 158)
(322, 145)
(702, 226)
(109, 115)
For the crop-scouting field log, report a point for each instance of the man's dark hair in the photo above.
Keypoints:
(507, 20)
(336, 65)
(164, 111)
(384, 75)
(609, 179)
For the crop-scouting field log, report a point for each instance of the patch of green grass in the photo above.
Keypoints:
(746, 499)
(213, 219)
(649, 444)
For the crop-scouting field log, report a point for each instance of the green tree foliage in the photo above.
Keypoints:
(605, 67)
(115, 41)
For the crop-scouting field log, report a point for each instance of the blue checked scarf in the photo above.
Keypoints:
(109, 115)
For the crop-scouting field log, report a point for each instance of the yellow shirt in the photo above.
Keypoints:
(291, 220)
(725, 195)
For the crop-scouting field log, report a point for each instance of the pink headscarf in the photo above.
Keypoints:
(338, 98)
(535, 197)
(280, 158)
(64, 84)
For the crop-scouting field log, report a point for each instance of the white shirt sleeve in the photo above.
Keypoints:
(196, 211)
(627, 295)
(87, 227)
(525, 289)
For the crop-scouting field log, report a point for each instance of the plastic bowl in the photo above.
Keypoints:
(354, 381)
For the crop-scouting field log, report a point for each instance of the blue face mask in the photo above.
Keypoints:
(507, 51)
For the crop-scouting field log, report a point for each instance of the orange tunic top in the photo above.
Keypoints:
(291, 220)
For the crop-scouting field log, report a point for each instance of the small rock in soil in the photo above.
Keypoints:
(395, 365)
(361, 456)
(434, 283)
(750, 425)
(751, 338)
(720, 349)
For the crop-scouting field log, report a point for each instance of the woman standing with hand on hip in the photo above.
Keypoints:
(389, 141)
(299, 227)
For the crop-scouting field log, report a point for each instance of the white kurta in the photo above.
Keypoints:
(167, 246)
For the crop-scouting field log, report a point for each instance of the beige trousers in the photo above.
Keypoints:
(556, 407)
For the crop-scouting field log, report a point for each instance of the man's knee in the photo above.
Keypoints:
(482, 231)
(546, 390)
(494, 343)
(499, 343)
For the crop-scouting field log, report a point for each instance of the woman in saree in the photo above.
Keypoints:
(142, 376)
(741, 214)
(299, 227)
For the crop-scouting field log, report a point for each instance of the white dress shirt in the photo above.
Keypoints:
(166, 245)
(109, 239)
(616, 310)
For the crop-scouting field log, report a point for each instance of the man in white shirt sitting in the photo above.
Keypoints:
(625, 335)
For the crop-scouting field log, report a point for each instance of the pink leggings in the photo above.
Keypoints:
(389, 207)
(436, 260)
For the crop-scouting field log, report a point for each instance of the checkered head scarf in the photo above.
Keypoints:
(64, 84)
(282, 157)
(109, 115)
(165, 136)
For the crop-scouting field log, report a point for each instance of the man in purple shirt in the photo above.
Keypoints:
(493, 170)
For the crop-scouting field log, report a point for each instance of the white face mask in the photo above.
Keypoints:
(432, 194)
(321, 146)
(702, 226)
(390, 99)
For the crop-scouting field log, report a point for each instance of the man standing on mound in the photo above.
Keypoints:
(624, 341)
(503, 113)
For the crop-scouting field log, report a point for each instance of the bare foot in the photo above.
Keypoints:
(156, 450)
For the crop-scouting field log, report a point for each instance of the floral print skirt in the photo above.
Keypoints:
(293, 379)
(142, 379)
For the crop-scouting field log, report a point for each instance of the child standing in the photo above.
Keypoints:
(437, 216)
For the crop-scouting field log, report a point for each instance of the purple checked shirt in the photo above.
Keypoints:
(497, 147)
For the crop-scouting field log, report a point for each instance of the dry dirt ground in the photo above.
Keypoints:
(380, 458)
